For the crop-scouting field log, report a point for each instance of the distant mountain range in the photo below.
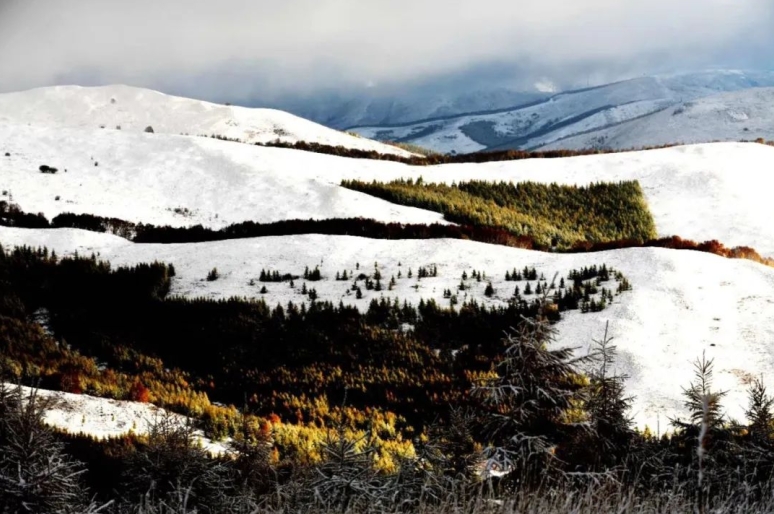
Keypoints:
(536, 120)
(736, 116)
(343, 111)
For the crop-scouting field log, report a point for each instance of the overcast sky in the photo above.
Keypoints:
(237, 49)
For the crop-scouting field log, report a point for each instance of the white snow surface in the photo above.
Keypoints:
(132, 109)
(701, 192)
(736, 116)
(683, 303)
(102, 418)
(587, 114)
(146, 177)
(528, 123)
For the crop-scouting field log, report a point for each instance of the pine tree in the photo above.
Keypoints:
(759, 412)
(35, 473)
(525, 408)
(172, 462)
(489, 291)
(607, 407)
(701, 402)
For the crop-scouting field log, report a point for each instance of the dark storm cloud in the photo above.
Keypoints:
(239, 49)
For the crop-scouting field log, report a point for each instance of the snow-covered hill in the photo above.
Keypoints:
(569, 113)
(103, 418)
(702, 192)
(683, 303)
(134, 109)
(179, 180)
(737, 116)
(369, 107)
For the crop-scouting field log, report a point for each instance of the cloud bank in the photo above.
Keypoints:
(242, 48)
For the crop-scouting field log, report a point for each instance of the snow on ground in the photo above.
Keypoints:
(701, 192)
(737, 116)
(515, 127)
(179, 180)
(712, 191)
(575, 113)
(605, 118)
(683, 303)
(102, 417)
(133, 109)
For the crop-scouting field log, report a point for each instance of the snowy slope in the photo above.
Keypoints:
(102, 417)
(374, 107)
(145, 177)
(683, 303)
(737, 116)
(514, 128)
(702, 192)
(133, 109)
(568, 113)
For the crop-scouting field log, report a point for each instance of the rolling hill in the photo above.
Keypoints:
(584, 111)
(134, 109)
(736, 116)
(683, 303)
(702, 192)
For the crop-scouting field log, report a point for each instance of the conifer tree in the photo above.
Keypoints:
(525, 407)
(489, 291)
(608, 406)
(35, 473)
(759, 414)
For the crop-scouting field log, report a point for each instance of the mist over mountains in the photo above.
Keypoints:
(448, 120)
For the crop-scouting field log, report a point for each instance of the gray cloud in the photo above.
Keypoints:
(236, 49)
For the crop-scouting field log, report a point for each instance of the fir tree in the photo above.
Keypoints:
(36, 475)
(759, 412)
(525, 407)
(608, 407)
(489, 291)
